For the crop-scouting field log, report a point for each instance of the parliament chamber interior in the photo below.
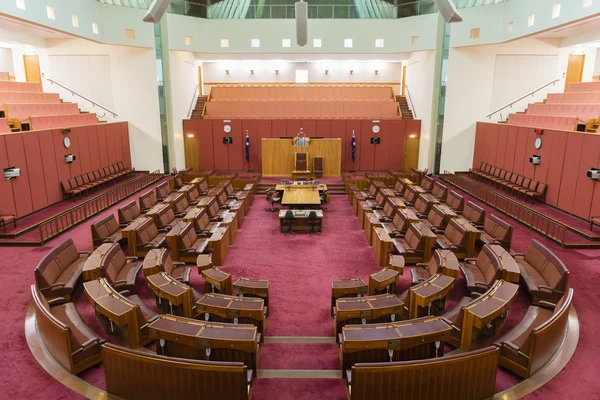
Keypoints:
(237, 199)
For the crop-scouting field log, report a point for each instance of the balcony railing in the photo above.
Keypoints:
(251, 9)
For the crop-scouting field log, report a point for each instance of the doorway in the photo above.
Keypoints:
(192, 155)
(32, 68)
(574, 69)
(411, 153)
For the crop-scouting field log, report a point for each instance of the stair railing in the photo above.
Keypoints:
(193, 102)
(530, 93)
(412, 106)
(76, 93)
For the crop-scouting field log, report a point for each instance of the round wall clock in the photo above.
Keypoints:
(227, 128)
(66, 142)
(538, 142)
(375, 129)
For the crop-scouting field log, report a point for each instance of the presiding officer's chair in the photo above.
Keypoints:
(288, 220)
(313, 220)
(272, 199)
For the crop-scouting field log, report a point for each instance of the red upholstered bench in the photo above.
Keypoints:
(594, 221)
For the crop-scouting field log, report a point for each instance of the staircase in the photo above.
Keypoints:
(404, 108)
(332, 188)
(197, 112)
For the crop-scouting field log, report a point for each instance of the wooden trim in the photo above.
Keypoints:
(305, 84)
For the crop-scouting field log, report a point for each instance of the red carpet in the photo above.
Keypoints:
(300, 269)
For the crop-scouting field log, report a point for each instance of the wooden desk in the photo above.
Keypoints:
(473, 235)
(204, 262)
(281, 188)
(278, 156)
(155, 212)
(382, 244)
(301, 217)
(253, 288)
(230, 221)
(217, 280)
(173, 198)
(179, 297)
(297, 174)
(450, 265)
(129, 233)
(383, 281)
(354, 287)
(510, 269)
(448, 213)
(396, 263)
(238, 310)
(190, 338)
(152, 263)
(421, 296)
(300, 197)
(370, 221)
(399, 341)
(92, 269)
(219, 242)
(368, 309)
(119, 310)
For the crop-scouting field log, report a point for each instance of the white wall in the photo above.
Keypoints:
(469, 93)
(132, 83)
(596, 73)
(6, 61)
(420, 81)
(389, 73)
(184, 79)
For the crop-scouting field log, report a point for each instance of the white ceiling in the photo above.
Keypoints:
(578, 28)
(28, 29)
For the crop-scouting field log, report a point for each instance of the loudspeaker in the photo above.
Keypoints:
(375, 140)
(448, 10)
(157, 9)
(301, 23)
(227, 140)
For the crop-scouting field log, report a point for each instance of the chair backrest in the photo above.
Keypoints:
(105, 227)
(550, 267)
(146, 231)
(455, 201)
(148, 200)
(440, 191)
(541, 188)
(203, 185)
(473, 213)
(455, 233)
(498, 229)
(288, 215)
(489, 264)
(388, 208)
(178, 180)
(128, 212)
(513, 178)
(436, 217)
(301, 161)
(520, 180)
(312, 216)
(187, 236)
(166, 215)
(427, 183)
(413, 237)
(422, 205)
(526, 182)
(533, 185)
(181, 203)
(52, 265)
(163, 190)
(113, 262)
(318, 164)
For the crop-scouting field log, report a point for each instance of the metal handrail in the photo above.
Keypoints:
(412, 106)
(76, 93)
(194, 101)
(530, 93)
(54, 226)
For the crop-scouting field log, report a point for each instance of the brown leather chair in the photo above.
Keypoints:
(106, 230)
(148, 236)
(190, 244)
(6, 219)
(167, 218)
(58, 273)
(147, 201)
(163, 190)
(455, 201)
(427, 183)
(414, 246)
(301, 161)
(128, 213)
(532, 344)
(422, 206)
(496, 231)
(160, 260)
(544, 275)
(474, 214)
(318, 167)
(64, 334)
(480, 273)
(120, 270)
(442, 261)
(454, 237)
(538, 194)
(439, 191)
(399, 225)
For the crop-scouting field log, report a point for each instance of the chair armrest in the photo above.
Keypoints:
(421, 265)
(165, 229)
(119, 282)
(178, 263)
(214, 219)
(446, 320)
(201, 234)
(519, 255)
(511, 345)
(414, 250)
(546, 304)
(131, 258)
(180, 215)
(482, 284)
(89, 253)
(545, 287)
(470, 260)
(124, 225)
(188, 249)
(438, 231)
(476, 295)
(457, 246)
(145, 244)
(125, 292)
(55, 284)
(222, 207)
(88, 343)
(57, 300)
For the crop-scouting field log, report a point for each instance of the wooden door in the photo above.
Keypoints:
(574, 69)
(32, 69)
(403, 80)
(192, 155)
(411, 153)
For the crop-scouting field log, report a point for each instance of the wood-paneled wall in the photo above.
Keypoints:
(41, 157)
(214, 155)
(565, 158)
(278, 156)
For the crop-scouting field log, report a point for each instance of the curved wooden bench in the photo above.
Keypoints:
(147, 201)
(106, 230)
(128, 213)
(473, 377)
(496, 231)
(442, 261)
(121, 271)
(139, 375)
(534, 342)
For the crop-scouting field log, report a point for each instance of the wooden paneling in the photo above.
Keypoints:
(32, 68)
(110, 144)
(84, 149)
(92, 134)
(501, 149)
(221, 149)
(364, 146)
(309, 126)
(279, 128)
(126, 144)
(192, 154)
(20, 186)
(511, 145)
(530, 150)
(555, 166)
(520, 150)
(35, 168)
(396, 146)
(52, 181)
(574, 69)
(382, 150)
(278, 156)
(568, 182)
(74, 167)
(324, 128)
(585, 186)
(411, 153)
(292, 128)
(102, 147)
(7, 202)
(236, 150)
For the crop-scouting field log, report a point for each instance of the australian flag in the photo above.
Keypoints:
(353, 146)
(247, 147)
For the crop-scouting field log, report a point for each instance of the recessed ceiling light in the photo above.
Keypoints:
(224, 42)
(556, 11)
(531, 20)
(95, 28)
(378, 42)
(286, 43)
(188, 40)
(347, 42)
(75, 21)
(21, 4)
(317, 43)
(255, 42)
(50, 12)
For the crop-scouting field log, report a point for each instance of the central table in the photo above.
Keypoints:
(301, 197)
(301, 217)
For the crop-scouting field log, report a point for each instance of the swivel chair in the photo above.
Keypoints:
(313, 220)
(272, 198)
(288, 220)
(322, 197)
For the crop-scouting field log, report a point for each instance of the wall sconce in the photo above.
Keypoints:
(276, 72)
(326, 71)
(376, 72)
(412, 136)
(227, 71)
(351, 71)
(252, 71)
(190, 135)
